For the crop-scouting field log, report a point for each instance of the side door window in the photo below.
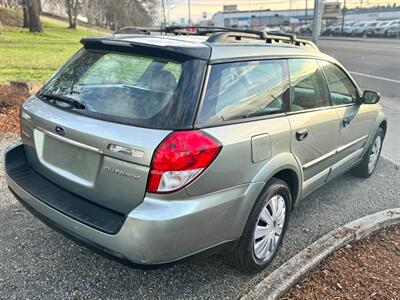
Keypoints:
(308, 86)
(240, 90)
(341, 89)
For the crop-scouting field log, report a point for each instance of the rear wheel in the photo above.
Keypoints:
(368, 165)
(265, 228)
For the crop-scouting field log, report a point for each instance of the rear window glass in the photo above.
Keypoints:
(123, 86)
(244, 89)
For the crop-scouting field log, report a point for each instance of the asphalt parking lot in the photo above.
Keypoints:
(36, 262)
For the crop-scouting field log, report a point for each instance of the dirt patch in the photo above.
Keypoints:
(10, 101)
(10, 17)
(366, 269)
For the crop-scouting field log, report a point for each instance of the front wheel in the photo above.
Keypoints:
(264, 229)
(368, 165)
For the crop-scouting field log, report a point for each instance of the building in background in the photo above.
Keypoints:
(332, 13)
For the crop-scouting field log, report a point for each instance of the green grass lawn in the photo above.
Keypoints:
(34, 57)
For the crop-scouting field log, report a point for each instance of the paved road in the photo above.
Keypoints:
(376, 66)
(36, 262)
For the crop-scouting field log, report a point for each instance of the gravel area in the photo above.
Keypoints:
(366, 269)
(36, 262)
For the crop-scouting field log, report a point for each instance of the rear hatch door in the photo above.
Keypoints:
(103, 162)
(130, 101)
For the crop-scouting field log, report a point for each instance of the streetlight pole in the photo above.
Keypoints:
(249, 13)
(316, 21)
(343, 15)
(306, 9)
(190, 14)
(163, 9)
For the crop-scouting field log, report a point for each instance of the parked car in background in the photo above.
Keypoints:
(272, 29)
(332, 29)
(304, 29)
(383, 30)
(359, 29)
(369, 28)
(348, 28)
(394, 30)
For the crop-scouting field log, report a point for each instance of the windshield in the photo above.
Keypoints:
(123, 86)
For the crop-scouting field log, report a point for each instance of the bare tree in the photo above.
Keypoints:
(72, 11)
(112, 14)
(25, 13)
(115, 14)
(34, 16)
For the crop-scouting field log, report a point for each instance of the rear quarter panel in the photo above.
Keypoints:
(252, 152)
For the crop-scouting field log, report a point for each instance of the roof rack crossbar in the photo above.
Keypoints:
(224, 36)
(136, 30)
(203, 30)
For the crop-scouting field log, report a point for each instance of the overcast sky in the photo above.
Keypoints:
(179, 8)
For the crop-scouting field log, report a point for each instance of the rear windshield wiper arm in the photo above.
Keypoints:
(73, 102)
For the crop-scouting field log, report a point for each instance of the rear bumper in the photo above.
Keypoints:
(157, 231)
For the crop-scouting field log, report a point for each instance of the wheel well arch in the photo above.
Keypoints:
(383, 125)
(292, 180)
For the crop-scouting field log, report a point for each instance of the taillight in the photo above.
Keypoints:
(180, 158)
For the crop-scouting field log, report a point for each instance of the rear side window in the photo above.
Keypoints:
(341, 89)
(131, 88)
(309, 89)
(242, 90)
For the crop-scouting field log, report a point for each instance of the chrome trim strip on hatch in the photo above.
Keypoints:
(68, 141)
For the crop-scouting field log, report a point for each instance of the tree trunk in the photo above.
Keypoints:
(34, 16)
(72, 7)
(40, 6)
(75, 12)
(25, 12)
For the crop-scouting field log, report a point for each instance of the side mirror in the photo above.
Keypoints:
(370, 97)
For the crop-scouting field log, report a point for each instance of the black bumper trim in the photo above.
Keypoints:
(116, 256)
(67, 203)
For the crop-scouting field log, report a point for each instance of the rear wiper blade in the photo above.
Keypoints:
(73, 102)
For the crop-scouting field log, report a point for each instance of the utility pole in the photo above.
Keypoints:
(190, 14)
(306, 9)
(343, 16)
(250, 14)
(163, 9)
(316, 21)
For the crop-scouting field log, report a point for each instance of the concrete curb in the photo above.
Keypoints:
(282, 279)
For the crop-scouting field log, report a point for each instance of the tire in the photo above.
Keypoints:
(365, 169)
(244, 257)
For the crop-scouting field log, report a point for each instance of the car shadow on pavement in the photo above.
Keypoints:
(36, 262)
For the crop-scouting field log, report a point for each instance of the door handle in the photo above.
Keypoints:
(301, 134)
(346, 122)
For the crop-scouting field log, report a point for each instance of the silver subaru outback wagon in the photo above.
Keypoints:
(154, 149)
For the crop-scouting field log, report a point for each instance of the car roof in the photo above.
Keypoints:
(217, 50)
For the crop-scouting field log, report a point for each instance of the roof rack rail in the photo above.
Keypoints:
(223, 34)
(204, 30)
(137, 30)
